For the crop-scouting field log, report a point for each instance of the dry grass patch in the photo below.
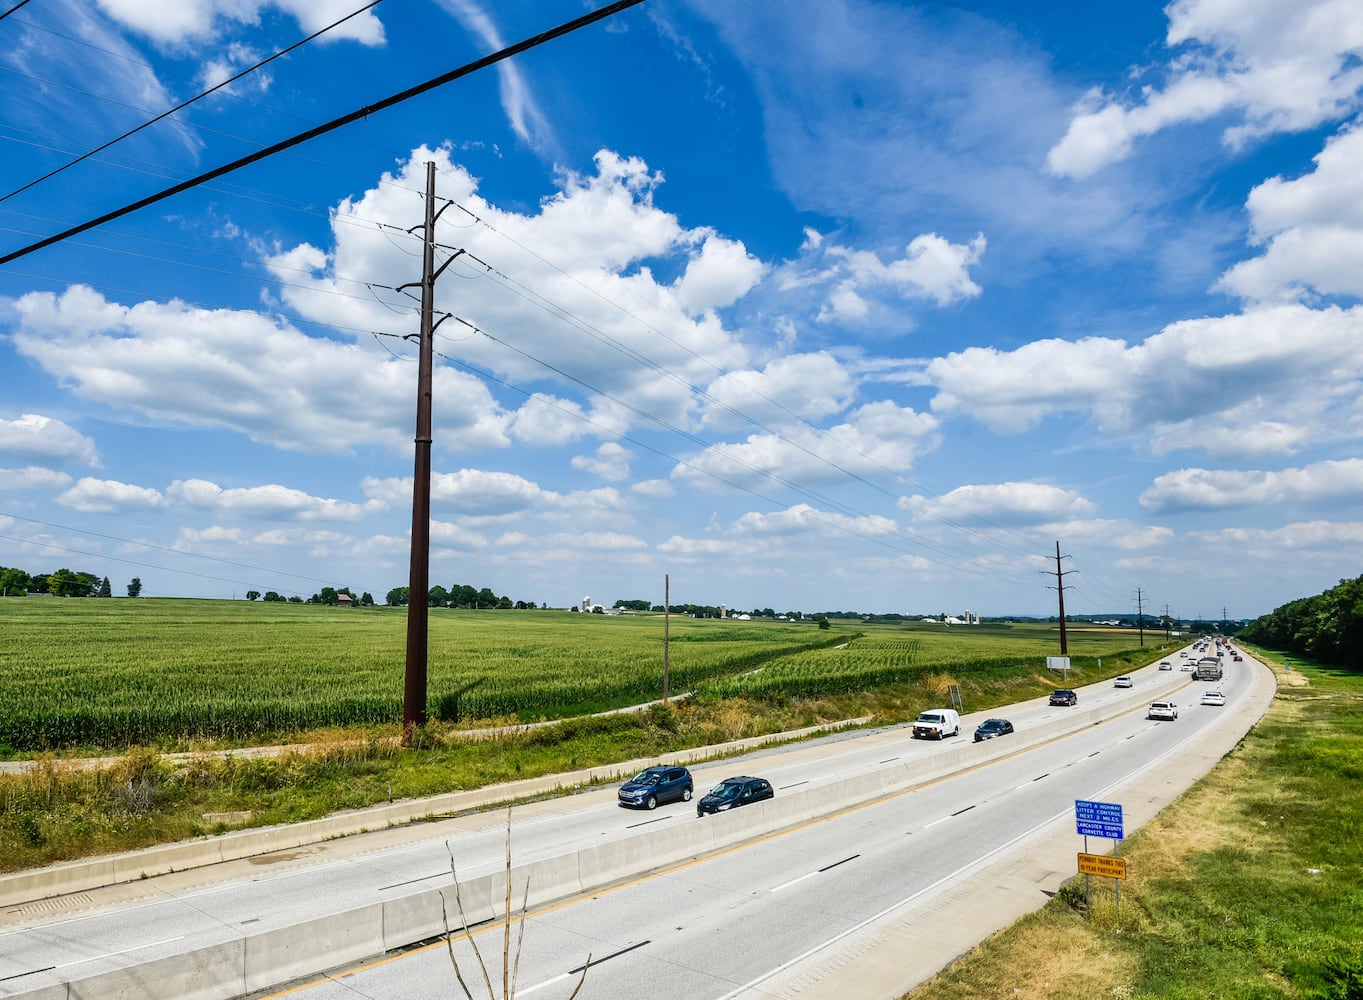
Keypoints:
(1038, 958)
(939, 684)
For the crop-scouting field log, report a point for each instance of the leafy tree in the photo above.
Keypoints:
(104, 589)
(486, 598)
(823, 623)
(327, 596)
(367, 599)
(1327, 627)
(438, 597)
(397, 597)
(271, 595)
(13, 582)
(135, 587)
(253, 595)
(295, 599)
(64, 583)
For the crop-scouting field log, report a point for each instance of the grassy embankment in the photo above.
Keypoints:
(1248, 887)
(122, 665)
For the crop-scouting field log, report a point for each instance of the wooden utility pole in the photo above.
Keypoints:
(1060, 589)
(667, 621)
(418, 582)
(1140, 616)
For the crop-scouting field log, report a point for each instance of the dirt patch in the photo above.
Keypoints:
(279, 857)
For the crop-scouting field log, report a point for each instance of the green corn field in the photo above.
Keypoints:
(87, 673)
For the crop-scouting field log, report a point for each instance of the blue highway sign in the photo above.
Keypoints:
(1098, 819)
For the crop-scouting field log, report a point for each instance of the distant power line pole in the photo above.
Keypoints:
(1140, 616)
(667, 621)
(1060, 589)
(418, 585)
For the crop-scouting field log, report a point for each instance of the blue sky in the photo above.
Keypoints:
(817, 304)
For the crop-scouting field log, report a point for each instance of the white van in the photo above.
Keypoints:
(936, 723)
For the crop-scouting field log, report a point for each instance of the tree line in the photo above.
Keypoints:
(461, 595)
(15, 582)
(1327, 627)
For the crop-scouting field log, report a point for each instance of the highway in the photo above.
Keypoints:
(734, 922)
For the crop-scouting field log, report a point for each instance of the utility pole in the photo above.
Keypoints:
(1060, 589)
(1140, 616)
(1168, 623)
(667, 621)
(418, 585)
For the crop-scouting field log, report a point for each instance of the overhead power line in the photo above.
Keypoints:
(12, 9)
(439, 81)
(184, 104)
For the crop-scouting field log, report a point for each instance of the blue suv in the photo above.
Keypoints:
(654, 785)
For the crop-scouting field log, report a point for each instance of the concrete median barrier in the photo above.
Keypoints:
(539, 881)
(302, 949)
(210, 973)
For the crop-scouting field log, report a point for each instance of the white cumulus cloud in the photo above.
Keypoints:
(610, 462)
(1223, 489)
(245, 371)
(1270, 66)
(1312, 227)
(32, 477)
(1266, 381)
(105, 496)
(36, 437)
(270, 502)
(1012, 503)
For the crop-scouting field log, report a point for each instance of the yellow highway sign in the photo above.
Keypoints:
(1101, 864)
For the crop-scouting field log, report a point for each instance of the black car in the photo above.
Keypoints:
(991, 728)
(734, 792)
(1064, 696)
(655, 785)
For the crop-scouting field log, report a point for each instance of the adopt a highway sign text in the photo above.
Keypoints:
(1098, 819)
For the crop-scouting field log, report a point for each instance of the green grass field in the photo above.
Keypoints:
(115, 673)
